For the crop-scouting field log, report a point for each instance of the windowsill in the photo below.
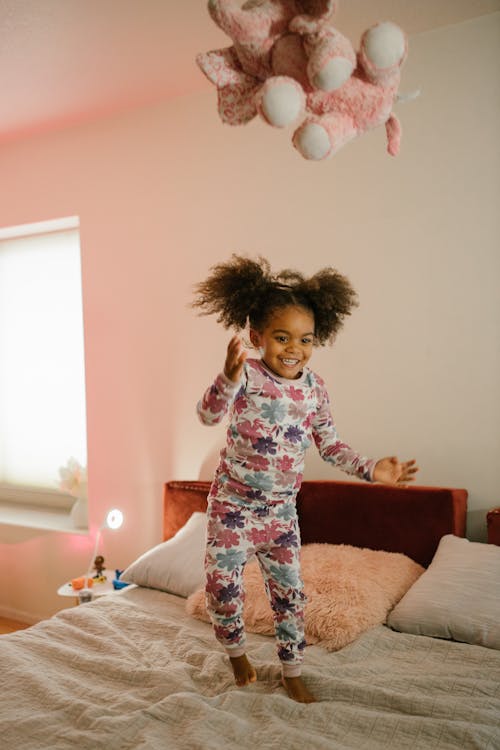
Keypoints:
(20, 522)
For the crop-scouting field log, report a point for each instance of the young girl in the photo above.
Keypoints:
(277, 406)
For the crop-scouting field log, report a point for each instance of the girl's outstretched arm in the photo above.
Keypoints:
(391, 470)
(332, 449)
(219, 396)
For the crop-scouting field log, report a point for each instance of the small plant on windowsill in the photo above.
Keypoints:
(73, 480)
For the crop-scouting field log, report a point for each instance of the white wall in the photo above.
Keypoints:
(165, 192)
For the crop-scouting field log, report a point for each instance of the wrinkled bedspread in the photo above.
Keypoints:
(132, 670)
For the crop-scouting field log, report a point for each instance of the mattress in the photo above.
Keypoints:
(133, 670)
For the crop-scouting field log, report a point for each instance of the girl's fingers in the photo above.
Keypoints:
(408, 470)
(235, 358)
(235, 346)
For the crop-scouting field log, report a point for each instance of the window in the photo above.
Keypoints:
(42, 381)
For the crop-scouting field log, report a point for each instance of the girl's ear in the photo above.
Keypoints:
(255, 338)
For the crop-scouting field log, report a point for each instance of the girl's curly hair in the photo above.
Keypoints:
(243, 290)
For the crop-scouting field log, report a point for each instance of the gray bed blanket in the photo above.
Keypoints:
(132, 670)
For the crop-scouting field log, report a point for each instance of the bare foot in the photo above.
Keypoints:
(297, 690)
(244, 673)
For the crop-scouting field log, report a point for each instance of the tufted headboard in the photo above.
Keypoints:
(410, 520)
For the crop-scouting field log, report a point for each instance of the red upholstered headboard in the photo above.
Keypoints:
(410, 520)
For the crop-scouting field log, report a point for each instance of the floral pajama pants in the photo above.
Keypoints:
(271, 532)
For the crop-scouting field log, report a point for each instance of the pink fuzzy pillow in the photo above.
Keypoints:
(349, 590)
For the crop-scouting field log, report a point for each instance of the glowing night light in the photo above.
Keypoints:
(114, 519)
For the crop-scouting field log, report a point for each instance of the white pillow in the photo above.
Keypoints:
(175, 566)
(458, 596)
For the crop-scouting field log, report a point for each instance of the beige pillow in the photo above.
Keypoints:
(175, 566)
(349, 590)
(458, 596)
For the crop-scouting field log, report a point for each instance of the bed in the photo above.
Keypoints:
(135, 670)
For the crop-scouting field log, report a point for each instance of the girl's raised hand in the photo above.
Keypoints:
(392, 471)
(235, 359)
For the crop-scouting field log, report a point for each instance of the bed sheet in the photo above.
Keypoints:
(133, 670)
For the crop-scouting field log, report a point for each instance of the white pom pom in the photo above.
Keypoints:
(312, 141)
(385, 45)
(334, 74)
(282, 104)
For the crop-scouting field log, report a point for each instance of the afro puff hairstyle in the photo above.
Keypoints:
(242, 291)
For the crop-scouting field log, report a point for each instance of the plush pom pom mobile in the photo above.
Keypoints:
(291, 66)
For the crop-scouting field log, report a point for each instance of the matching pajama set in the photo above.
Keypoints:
(251, 504)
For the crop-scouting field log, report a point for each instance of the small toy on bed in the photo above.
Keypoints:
(99, 567)
(117, 583)
(290, 65)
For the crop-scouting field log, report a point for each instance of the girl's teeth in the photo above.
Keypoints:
(290, 362)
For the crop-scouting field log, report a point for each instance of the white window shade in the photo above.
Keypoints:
(42, 382)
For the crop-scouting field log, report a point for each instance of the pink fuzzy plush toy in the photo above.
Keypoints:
(290, 65)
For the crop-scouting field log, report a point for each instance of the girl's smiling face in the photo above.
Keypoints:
(286, 342)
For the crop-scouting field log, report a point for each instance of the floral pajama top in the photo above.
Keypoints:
(272, 422)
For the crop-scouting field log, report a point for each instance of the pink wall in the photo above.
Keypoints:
(165, 192)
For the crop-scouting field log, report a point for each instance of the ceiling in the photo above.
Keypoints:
(67, 61)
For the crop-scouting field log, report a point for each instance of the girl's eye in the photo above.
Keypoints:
(281, 339)
(307, 341)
